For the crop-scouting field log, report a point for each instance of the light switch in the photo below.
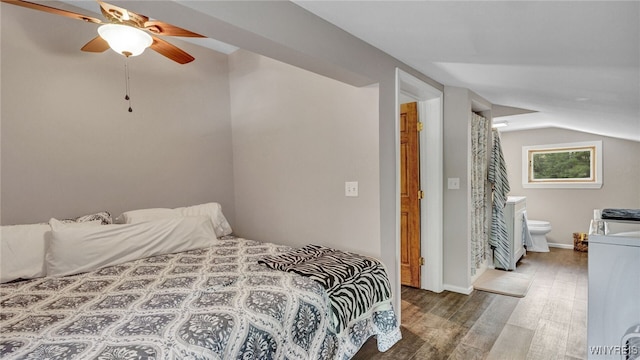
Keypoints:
(351, 188)
(453, 183)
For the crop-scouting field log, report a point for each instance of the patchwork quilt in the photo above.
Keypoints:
(213, 303)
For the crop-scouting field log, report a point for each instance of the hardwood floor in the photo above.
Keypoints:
(550, 322)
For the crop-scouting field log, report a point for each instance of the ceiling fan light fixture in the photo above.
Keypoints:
(125, 40)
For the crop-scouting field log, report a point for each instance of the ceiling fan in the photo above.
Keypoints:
(124, 31)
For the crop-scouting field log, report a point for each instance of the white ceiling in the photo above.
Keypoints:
(576, 63)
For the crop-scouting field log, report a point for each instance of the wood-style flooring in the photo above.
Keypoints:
(550, 322)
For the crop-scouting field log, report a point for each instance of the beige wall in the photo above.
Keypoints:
(129, 172)
(70, 147)
(284, 31)
(570, 210)
(459, 103)
(294, 147)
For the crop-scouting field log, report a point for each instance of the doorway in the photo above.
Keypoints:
(430, 112)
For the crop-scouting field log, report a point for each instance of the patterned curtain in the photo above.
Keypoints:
(479, 223)
(499, 240)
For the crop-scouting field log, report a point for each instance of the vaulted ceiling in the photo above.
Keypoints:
(568, 64)
(576, 64)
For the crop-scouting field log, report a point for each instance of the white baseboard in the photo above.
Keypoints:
(561, 246)
(458, 289)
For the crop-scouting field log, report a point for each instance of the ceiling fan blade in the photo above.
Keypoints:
(53, 10)
(162, 28)
(117, 14)
(97, 44)
(171, 51)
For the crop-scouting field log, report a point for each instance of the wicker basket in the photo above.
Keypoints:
(580, 242)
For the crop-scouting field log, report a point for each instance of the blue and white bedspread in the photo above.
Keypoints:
(213, 303)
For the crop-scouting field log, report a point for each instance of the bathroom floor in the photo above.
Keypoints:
(550, 322)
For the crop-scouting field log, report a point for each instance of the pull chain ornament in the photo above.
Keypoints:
(127, 80)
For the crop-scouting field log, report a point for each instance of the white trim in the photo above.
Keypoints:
(458, 289)
(431, 181)
(398, 279)
(561, 246)
(430, 109)
(597, 172)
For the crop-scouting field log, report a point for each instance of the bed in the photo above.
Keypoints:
(207, 302)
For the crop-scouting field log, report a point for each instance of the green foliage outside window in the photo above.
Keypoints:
(562, 165)
(576, 165)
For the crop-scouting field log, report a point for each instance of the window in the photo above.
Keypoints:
(572, 165)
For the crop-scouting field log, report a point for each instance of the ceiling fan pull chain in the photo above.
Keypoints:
(126, 80)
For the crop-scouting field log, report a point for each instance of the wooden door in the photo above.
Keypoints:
(410, 196)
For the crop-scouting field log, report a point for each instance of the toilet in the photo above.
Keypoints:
(538, 230)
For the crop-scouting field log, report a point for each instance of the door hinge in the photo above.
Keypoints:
(421, 261)
(420, 126)
(420, 194)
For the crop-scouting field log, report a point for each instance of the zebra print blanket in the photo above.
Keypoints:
(355, 284)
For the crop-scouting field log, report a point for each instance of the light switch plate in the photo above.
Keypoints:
(453, 183)
(351, 188)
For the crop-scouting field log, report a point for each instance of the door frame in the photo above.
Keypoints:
(430, 113)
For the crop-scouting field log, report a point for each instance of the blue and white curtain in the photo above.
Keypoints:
(499, 240)
(479, 198)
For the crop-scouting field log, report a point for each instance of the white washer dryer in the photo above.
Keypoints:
(614, 297)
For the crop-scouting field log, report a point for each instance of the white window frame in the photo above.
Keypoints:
(593, 182)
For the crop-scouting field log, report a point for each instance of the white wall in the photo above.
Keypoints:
(570, 210)
(69, 146)
(294, 147)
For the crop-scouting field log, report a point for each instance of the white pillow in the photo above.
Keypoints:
(213, 210)
(22, 250)
(136, 216)
(78, 250)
